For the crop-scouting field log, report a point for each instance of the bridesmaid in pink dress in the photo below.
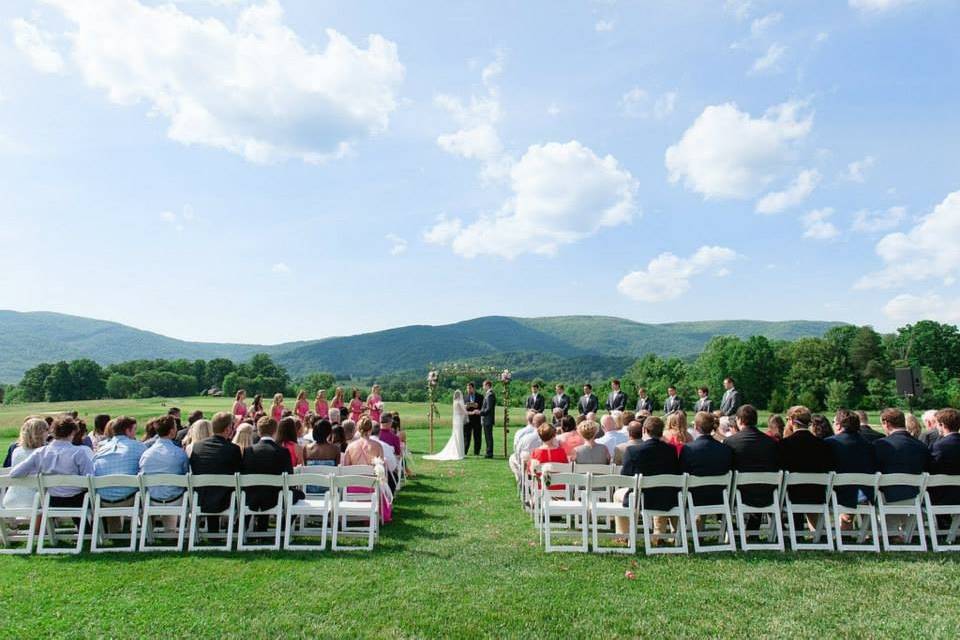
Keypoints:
(276, 409)
(302, 406)
(375, 403)
(356, 405)
(239, 406)
(320, 407)
(337, 402)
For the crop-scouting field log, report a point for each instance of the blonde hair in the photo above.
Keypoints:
(321, 393)
(588, 429)
(375, 389)
(199, 430)
(914, 428)
(277, 399)
(33, 433)
(677, 424)
(244, 436)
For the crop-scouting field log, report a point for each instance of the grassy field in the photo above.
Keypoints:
(462, 560)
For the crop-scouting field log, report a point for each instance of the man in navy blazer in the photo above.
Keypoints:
(899, 452)
(653, 457)
(945, 455)
(706, 457)
(753, 451)
(803, 452)
(851, 453)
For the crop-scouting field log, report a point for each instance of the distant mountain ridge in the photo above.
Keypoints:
(27, 339)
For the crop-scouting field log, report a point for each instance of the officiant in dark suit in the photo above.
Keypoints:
(487, 415)
(617, 399)
(535, 400)
(561, 400)
(471, 427)
(588, 401)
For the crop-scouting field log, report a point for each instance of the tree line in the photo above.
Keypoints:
(849, 366)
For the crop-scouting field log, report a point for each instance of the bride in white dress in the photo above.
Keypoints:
(454, 448)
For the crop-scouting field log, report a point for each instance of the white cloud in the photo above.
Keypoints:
(398, 244)
(281, 267)
(906, 308)
(798, 191)
(178, 221)
(560, 194)
(873, 221)
(856, 170)
(553, 109)
(604, 25)
(637, 103)
(739, 8)
(760, 26)
(816, 225)
(37, 46)
(252, 88)
(769, 62)
(728, 154)
(878, 6)
(927, 251)
(668, 276)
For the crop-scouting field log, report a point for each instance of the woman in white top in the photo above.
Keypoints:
(33, 435)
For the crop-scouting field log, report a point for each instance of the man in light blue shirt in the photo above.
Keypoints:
(59, 458)
(165, 457)
(119, 455)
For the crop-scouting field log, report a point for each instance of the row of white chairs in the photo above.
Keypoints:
(344, 500)
(587, 498)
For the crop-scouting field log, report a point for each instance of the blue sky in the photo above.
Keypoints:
(225, 170)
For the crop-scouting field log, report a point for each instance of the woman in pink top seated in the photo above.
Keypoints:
(302, 406)
(569, 439)
(276, 409)
(363, 450)
(375, 403)
(239, 406)
(320, 406)
(337, 402)
(287, 438)
(356, 405)
(676, 434)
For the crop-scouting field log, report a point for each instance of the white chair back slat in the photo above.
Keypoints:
(260, 480)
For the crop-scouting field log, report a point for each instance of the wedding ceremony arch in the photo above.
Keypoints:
(494, 374)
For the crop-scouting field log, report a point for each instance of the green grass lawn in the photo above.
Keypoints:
(462, 560)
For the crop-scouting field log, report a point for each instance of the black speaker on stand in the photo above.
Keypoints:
(909, 384)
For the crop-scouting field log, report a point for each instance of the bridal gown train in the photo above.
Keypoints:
(454, 447)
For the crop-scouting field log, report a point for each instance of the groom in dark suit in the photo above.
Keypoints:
(487, 413)
(471, 427)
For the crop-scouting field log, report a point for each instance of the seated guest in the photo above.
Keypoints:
(199, 431)
(350, 430)
(753, 451)
(945, 455)
(652, 457)
(705, 456)
(390, 460)
(899, 452)
(60, 457)
(388, 435)
(820, 427)
(321, 452)
(869, 434)
(590, 452)
(913, 426)
(726, 427)
(851, 453)
(776, 428)
(515, 462)
(120, 455)
(529, 442)
(99, 424)
(550, 450)
(569, 439)
(557, 417)
(286, 437)
(931, 432)
(243, 437)
(803, 452)
(364, 450)
(164, 456)
(33, 436)
(216, 455)
(634, 437)
(612, 435)
(265, 457)
(676, 434)
(338, 438)
(81, 439)
(182, 432)
(149, 431)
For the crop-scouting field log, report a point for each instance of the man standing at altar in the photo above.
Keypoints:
(644, 403)
(471, 426)
(588, 402)
(732, 400)
(487, 413)
(561, 400)
(535, 400)
(616, 400)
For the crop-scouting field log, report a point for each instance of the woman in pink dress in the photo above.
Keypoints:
(302, 406)
(363, 450)
(276, 409)
(375, 403)
(239, 406)
(356, 405)
(337, 402)
(320, 406)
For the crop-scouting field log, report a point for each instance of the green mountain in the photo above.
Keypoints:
(594, 343)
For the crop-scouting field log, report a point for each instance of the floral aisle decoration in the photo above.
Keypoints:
(505, 377)
(433, 377)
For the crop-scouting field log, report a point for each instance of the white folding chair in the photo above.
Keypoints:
(574, 501)
(18, 516)
(909, 510)
(540, 489)
(201, 481)
(946, 510)
(357, 470)
(604, 505)
(726, 541)
(864, 516)
(314, 505)
(774, 530)
(663, 481)
(597, 470)
(358, 506)
(102, 509)
(176, 509)
(247, 530)
(50, 515)
(820, 509)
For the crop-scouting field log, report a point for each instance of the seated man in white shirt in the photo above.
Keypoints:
(514, 459)
(612, 436)
(527, 444)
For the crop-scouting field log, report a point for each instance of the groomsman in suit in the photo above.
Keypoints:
(535, 401)
(704, 403)
(588, 401)
(487, 413)
(561, 400)
(673, 402)
(471, 428)
(643, 402)
(732, 400)
(616, 399)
